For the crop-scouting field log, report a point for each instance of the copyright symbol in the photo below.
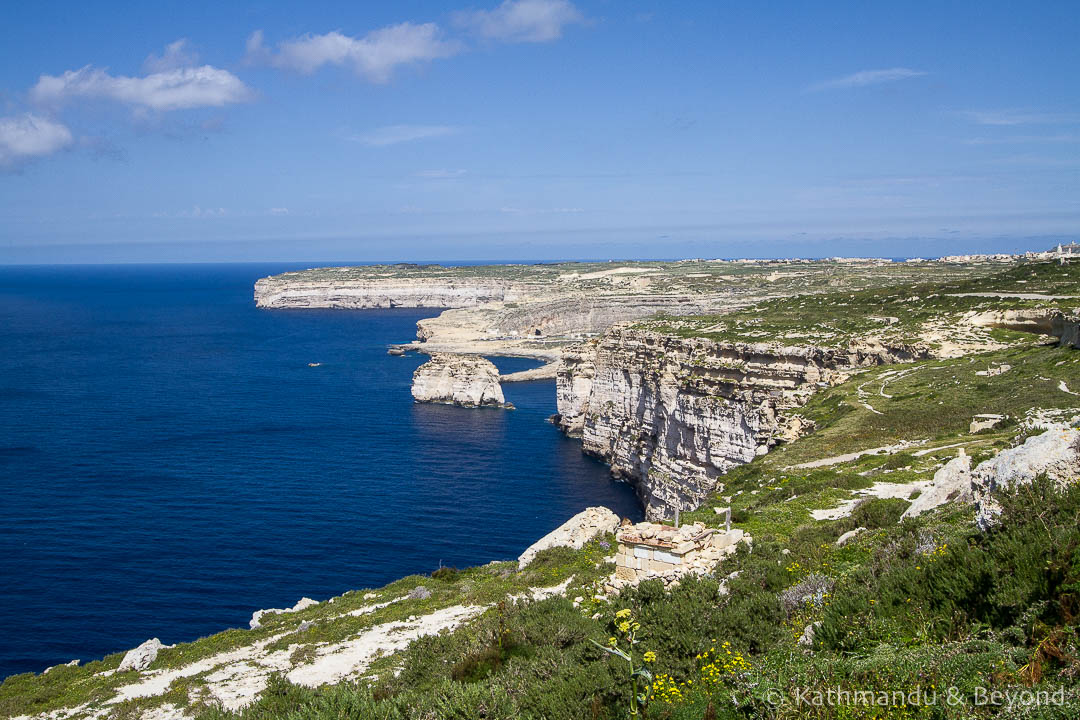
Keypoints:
(774, 697)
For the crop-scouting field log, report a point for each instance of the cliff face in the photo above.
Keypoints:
(292, 290)
(1063, 326)
(673, 414)
(466, 380)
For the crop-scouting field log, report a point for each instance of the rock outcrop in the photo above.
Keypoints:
(1063, 326)
(674, 414)
(335, 288)
(465, 380)
(951, 482)
(574, 533)
(141, 657)
(1055, 454)
(301, 604)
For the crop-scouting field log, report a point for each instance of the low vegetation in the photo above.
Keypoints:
(894, 312)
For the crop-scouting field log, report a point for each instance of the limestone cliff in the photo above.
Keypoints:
(466, 380)
(1041, 321)
(673, 414)
(298, 290)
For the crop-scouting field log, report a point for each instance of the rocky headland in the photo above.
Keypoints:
(672, 415)
(674, 373)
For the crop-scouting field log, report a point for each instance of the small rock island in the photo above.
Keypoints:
(465, 380)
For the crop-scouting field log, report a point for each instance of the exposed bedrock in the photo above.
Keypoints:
(291, 290)
(574, 533)
(1066, 328)
(466, 380)
(558, 315)
(672, 415)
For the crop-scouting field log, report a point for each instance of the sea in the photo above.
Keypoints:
(170, 461)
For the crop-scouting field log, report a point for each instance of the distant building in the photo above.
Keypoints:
(1067, 252)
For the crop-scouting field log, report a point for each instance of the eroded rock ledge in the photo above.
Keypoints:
(465, 380)
(672, 415)
(327, 290)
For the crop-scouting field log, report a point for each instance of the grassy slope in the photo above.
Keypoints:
(834, 319)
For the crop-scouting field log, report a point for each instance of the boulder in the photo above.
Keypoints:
(465, 380)
(952, 481)
(419, 593)
(848, 536)
(141, 657)
(574, 533)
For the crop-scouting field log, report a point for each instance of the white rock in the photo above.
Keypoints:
(141, 657)
(808, 633)
(301, 604)
(952, 480)
(673, 415)
(985, 422)
(70, 663)
(847, 537)
(574, 533)
(466, 380)
(1055, 453)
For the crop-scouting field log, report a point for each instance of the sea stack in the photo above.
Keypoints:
(465, 380)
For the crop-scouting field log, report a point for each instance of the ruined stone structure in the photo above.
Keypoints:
(653, 551)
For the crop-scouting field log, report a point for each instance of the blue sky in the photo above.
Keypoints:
(535, 129)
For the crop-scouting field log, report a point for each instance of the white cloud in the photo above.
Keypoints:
(279, 211)
(522, 20)
(867, 77)
(30, 136)
(1020, 117)
(177, 55)
(177, 89)
(373, 56)
(394, 134)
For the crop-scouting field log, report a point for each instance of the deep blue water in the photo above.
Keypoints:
(169, 462)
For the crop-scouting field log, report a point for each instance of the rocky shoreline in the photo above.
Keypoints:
(669, 414)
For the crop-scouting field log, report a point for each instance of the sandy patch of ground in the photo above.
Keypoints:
(351, 658)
